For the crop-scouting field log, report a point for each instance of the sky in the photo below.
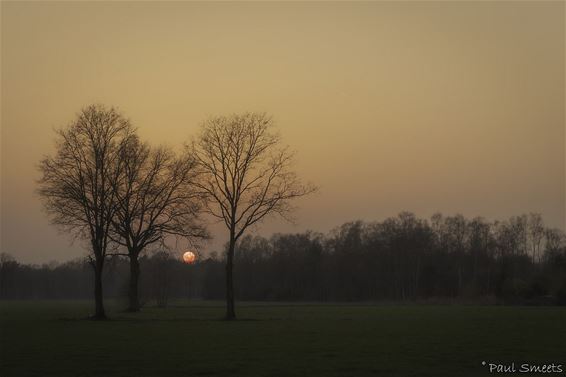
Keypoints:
(457, 107)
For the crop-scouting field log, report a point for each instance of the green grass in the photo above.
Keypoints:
(52, 338)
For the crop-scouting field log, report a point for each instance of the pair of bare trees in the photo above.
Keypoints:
(106, 186)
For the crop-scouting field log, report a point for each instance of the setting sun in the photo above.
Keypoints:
(189, 257)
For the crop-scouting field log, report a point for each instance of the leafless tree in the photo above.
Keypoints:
(75, 186)
(161, 277)
(157, 197)
(554, 239)
(246, 175)
(536, 234)
(7, 266)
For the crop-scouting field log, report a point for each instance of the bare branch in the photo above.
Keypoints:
(245, 171)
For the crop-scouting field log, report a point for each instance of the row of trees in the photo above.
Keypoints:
(163, 277)
(121, 195)
(407, 258)
(400, 258)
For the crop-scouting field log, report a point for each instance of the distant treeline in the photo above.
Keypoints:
(517, 261)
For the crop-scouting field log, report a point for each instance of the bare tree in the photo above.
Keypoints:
(161, 277)
(156, 197)
(246, 175)
(536, 234)
(75, 185)
(7, 267)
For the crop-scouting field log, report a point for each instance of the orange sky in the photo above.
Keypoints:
(420, 106)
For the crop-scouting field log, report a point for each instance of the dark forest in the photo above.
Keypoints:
(404, 258)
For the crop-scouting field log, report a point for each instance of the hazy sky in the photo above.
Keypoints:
(427, 106)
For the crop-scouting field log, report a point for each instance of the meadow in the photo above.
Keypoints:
(53, 338)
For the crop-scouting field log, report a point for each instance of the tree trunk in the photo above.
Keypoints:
(134, 278)
(230, 309)
(459, 293)
(417, 277)
(99, 313)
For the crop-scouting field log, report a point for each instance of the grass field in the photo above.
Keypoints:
(51, 338)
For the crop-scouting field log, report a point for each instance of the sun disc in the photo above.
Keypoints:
(189, 257)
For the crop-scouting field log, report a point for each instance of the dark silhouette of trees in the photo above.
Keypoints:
(161, 277)
(399, 259)
(156, 197)
(76, 187)
(536, 234)
(7, 268)
(103, 185)
(246, 175)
